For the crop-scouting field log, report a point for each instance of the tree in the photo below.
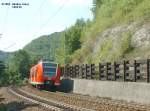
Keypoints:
(20, 63)
(2, 75)
(73, 35)
(96, 5)
(2, 66)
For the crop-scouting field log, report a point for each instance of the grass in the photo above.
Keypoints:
(103, 53)
(110, 14)
(111, 52)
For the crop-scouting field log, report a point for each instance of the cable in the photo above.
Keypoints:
(10, 46)
(36, 13)
(52, 16)
(5, 21)
(42, 3)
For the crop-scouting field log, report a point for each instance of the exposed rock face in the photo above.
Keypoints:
(141, 38)
(107, 44)
(115, 33)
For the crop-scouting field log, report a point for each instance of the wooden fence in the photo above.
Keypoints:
(134, 71)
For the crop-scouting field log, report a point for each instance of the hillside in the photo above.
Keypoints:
(3, 55)
(120, 30)
(45, 46)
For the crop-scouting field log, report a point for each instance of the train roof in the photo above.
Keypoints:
(48, 62)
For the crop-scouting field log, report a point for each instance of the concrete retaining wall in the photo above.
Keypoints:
(130, 91)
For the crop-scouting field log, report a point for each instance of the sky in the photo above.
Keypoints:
(19, 26)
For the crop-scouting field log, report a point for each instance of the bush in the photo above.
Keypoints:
(108, 14)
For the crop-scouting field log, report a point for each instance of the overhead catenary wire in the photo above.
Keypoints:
(37, 12)
(51, 17)
(40, 7)
(43, 25)
(9, 46)
(5, 21)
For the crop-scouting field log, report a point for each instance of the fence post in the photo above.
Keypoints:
(114, 71)
(86, 71)
(83, 70)
(73, 66)
(124, 72)
(99, 71)
(71, 71)
(76, 70)
(92, 71)
(107, 71)
(148, 69)
(135, 70)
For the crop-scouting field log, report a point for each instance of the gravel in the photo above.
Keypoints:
(9, 102)
(100, 104)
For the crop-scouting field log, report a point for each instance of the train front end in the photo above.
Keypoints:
(51, 73)
(45, 75)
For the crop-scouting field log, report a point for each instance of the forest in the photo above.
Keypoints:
(75, 44)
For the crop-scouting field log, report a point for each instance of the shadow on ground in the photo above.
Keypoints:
(66, 85)
(16, 106)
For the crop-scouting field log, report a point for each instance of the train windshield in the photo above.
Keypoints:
(49, 69)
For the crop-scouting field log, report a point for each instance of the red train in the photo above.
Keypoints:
(45, 73)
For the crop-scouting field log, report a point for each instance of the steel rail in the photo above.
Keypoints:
(57, 106)
(50, 107)
(120, 103)
(71, 107)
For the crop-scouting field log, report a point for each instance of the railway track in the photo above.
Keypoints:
(124, 104)
(106, 101)
(95, 103)
(58, 101)
(46, 103)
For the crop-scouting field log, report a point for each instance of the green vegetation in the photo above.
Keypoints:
(126, 43)
(20, 63)
(104, 52)
(108, 14)
(4, 55)
(78, 43)
(109, 51)
(70, 42)
(17, 68)
(113, 12)
(44, 47)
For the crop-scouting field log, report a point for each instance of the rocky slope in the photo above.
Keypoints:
(124, 41)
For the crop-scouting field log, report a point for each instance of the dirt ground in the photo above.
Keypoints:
(9, 102)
